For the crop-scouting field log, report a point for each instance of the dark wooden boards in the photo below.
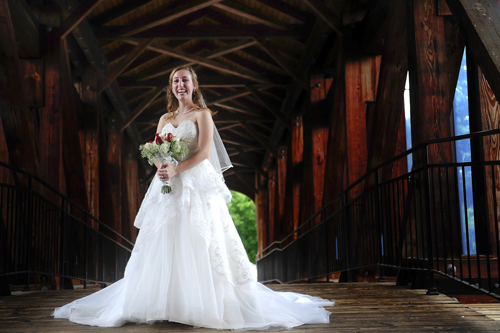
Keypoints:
(359, 307)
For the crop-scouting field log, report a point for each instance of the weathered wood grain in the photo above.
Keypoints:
(359, 307)
(490, 115)
(18, 128)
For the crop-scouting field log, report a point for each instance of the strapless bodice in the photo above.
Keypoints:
(187, 131)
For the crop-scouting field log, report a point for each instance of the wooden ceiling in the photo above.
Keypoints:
(252, 57)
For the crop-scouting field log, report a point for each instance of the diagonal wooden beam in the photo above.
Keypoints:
(251, 131)
(250, 14)
(116, 12)
(115, 72)
(234, 108)
(245, 183)
(245, 157)
(77, 16)
(141, 107)
(204, 62)
(172, 12)
(324, 13)
(481, 19)
(230, 48)
(199, 32)
(289, 11)
(280, 116)
(281, 61)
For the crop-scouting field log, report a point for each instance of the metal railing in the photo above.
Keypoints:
(418, 221)
(43, 232)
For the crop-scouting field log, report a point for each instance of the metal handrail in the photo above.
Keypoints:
(376, 169)
(410, 223)
(42, 236)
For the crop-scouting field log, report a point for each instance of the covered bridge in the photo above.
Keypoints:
(366, 131)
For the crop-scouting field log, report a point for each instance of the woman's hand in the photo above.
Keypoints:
(166, 171)
(170, 171)
(162, 172)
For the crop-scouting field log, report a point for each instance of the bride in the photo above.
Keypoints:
(188, 264)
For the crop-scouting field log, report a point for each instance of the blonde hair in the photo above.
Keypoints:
(173, 102)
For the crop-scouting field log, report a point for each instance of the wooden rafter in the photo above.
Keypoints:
(234, 108)
(324, 13)
(204, 62)
(250, 14)
(281, 117)
(481, 19)
(141, 107)
(115, 72)
(257, 137)
(243, 155)
(289, 11)
(281, 61)
(172, 12)
(117, 12)
(200, 32)
(239, 45)
(77, 16)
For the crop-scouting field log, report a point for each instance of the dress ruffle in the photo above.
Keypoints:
(189, 266)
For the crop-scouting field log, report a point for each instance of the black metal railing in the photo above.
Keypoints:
(42, 232)
(419, 221)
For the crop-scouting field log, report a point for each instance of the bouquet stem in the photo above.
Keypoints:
(165, 188)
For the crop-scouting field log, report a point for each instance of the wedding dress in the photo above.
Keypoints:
(189, 265)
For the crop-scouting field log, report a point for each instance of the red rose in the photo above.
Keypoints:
(169, 137)
(150, 141)
(158, 140)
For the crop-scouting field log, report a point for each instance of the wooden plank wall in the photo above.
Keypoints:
(490, 115)
(48, 127)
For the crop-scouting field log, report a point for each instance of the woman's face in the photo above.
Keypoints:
(183, 86)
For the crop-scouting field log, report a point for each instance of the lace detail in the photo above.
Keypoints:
(198, 196)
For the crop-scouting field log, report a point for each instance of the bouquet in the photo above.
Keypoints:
(166, 148)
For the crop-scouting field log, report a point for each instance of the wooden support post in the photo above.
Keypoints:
(50, 114)
(279, 211)
(115, 170)
(490, 109)
(17, 125)
(131, 197)
(261, 216)
(294, 168)
(400, 167)
(337, 136)
(389, 96)
(431, 109)
(271, 195)
(356, 124)
(71, 151)
(5, 176)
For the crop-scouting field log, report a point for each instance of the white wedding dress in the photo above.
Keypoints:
(189, 265)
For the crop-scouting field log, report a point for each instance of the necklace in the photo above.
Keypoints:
(184, 112)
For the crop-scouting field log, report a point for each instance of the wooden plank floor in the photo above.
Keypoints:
(359, 307)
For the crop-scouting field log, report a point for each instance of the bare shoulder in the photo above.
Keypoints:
(164, 118)
(204, 114)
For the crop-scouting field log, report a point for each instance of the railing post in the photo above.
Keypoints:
(29, 223)
(85, 241)
(431, 289)
(61, 246)
(381, 277)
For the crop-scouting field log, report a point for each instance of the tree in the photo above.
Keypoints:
(242, 210)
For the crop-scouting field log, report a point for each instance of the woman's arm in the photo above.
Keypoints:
(205, 140)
